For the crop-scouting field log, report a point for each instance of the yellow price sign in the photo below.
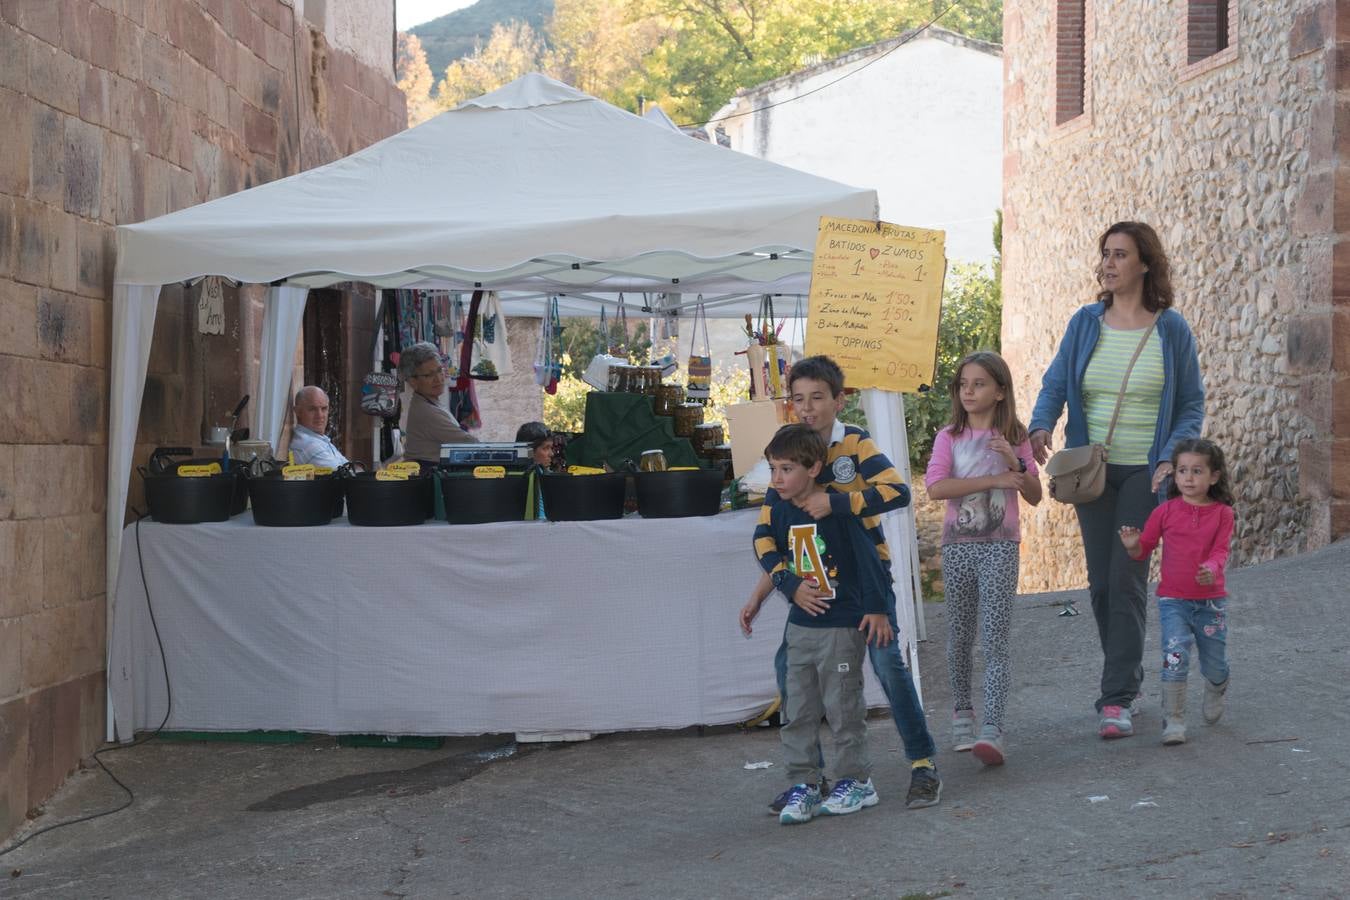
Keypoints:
(298, 473)
(876, 294)
(199, 471)
(407, 465)
(489, 472)
(390, 474)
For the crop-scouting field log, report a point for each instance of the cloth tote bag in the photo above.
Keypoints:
(597, 371)
(699, 387)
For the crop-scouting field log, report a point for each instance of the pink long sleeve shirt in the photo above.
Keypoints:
(1192, 536)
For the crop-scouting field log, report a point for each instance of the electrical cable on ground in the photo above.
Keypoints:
(168, 689)
(876, 59)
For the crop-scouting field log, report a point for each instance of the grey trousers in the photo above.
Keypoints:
(825, 678)
(1117, 584)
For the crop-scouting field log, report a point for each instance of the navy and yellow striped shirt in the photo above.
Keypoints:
(861, 482)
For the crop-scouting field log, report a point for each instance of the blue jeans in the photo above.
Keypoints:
(1199, 623)
(896, 681)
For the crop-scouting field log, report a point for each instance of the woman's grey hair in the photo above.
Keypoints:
(414, 356)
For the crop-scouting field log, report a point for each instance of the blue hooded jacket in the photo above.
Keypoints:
(1181, 412)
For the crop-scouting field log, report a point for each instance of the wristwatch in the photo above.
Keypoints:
(778, 578)
(1021, 464)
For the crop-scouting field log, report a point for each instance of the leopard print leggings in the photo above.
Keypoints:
(980, 580)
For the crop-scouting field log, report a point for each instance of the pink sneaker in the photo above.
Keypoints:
(1115, 723)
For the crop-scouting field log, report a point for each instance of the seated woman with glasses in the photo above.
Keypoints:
(429, 423)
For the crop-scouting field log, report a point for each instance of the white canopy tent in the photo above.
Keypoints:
(534, 188)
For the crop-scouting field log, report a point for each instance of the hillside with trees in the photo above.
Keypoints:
(455, 34)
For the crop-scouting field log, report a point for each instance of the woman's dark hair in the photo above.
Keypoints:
(1219, 491)
(1006, 422)
(1158, 278)
(534, 434)
(799, 443)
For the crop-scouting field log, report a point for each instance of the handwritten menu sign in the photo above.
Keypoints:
(875, 297)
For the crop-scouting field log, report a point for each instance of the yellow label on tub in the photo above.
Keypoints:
(489, 472)
(391, 474)
(199, 471)
(407, 465)
(298, 473)
(323, 470)
(684, 468)
(584, 470)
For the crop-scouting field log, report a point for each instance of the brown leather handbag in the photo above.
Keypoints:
(1078, 474)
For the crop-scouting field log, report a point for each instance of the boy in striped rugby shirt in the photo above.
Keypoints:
(859, 481)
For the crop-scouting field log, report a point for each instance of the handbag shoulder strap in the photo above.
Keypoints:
(1125, 381)
(701, 318)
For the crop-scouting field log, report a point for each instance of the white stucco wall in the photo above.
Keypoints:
(923, 126)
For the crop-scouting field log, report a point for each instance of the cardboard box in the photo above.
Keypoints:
(752, 425)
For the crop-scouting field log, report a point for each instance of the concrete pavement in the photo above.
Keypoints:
(1256, 806)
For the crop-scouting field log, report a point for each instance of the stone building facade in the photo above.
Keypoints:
(117, 111)
(1220, 123)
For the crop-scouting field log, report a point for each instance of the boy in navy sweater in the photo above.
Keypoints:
(825, 650)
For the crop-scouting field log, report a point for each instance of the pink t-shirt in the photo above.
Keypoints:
(986, 515)
(1192, 536)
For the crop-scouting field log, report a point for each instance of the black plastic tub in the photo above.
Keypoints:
(290, 504)
(677, 494)
(189, 501)
(582, 498)
(376, 503)
(474, 501)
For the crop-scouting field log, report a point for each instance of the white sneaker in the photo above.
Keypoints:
(989, 748)
(849, 796)
(963, 729)
(803, 802)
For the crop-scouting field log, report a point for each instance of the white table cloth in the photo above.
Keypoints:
(441, 629)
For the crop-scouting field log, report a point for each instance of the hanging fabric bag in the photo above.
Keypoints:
(699, 387)
(597, 371)
(491, 355)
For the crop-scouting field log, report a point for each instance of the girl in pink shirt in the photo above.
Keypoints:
(981, 463)
(1195, 526)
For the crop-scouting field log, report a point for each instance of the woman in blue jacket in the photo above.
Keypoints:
(1164, 402)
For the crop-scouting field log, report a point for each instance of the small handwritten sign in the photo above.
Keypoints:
(876, 292)
(211, 307)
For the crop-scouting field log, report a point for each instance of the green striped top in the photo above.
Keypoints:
(1139, 410)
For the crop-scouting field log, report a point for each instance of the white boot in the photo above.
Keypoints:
(1174, 712)
(1212, 706)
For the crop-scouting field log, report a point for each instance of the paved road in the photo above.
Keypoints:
(1257, 806)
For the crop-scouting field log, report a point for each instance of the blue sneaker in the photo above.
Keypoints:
(849, 796)
(803, 801)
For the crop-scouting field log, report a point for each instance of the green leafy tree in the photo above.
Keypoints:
(581, 341)
(724, 45)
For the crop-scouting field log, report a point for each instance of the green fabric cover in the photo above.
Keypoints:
(620, 426)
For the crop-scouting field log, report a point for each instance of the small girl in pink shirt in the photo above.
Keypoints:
(1195, 526)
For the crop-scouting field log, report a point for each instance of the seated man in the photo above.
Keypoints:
(309, 442)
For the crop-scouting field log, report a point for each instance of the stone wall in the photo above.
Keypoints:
(118, 111)
(1230, 159)
(510, 401)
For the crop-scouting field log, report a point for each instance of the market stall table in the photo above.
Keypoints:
(441, 629)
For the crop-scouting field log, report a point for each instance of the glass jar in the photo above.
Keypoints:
(652, 461)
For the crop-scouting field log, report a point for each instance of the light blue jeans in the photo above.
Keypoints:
(1198, 624)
